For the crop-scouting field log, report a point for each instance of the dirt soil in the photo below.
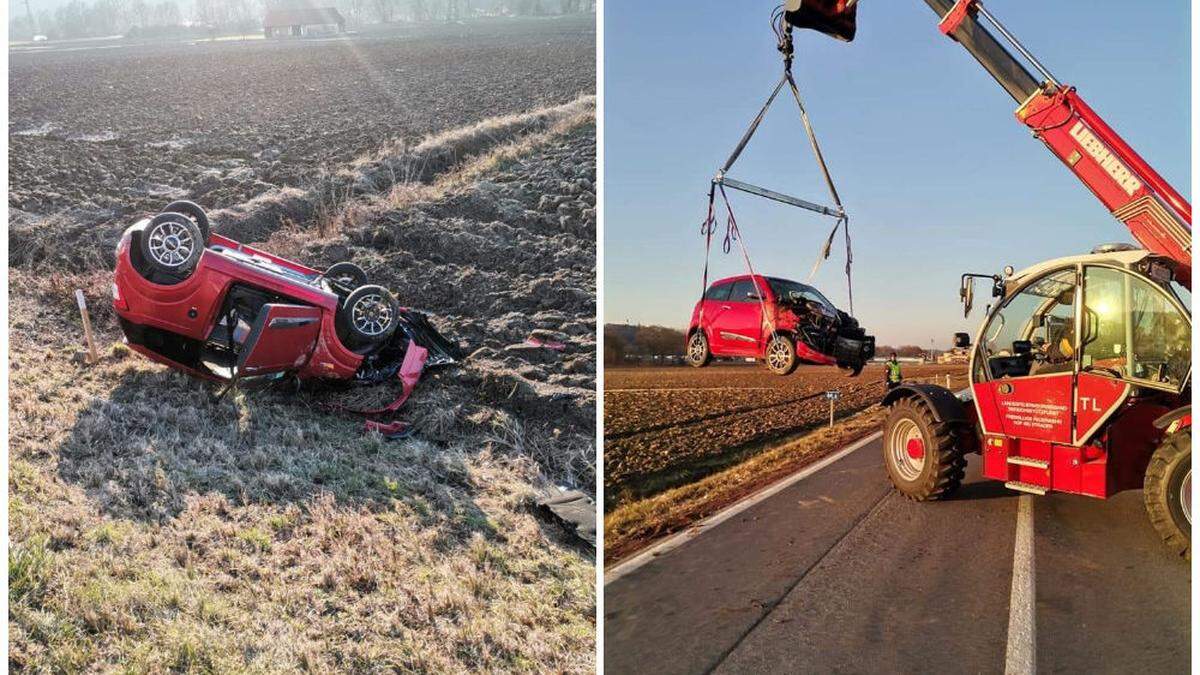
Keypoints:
(156, 528)
(668, 427)
(102, 134)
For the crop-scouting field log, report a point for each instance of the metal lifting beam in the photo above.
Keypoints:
(834, 212)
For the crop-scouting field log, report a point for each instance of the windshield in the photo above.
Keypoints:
(793, 291)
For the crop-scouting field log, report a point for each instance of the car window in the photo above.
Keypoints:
(811, 293)
(792, 290)
(742, 290)
(718, 293)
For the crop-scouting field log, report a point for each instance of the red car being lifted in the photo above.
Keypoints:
(781, 322)
(219, 309)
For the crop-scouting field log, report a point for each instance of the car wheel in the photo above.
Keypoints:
(698, 353)
(344, 277)
(781, 355)
(1168, 491)
(193, 211)
(371, 314)
(172, 245)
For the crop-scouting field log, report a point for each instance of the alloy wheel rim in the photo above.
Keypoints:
(171, 244)
(906, 449)
(696, 348)
(777, 355)
(371, 314)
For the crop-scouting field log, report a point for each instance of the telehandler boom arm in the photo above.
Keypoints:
(1157, 216)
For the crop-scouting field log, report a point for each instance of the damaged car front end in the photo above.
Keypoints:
(825, 334)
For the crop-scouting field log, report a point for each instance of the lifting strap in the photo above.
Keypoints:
(731, 235)
(837, 211)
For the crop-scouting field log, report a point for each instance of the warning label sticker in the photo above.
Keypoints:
(1044, 416)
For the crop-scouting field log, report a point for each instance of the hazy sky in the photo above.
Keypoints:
(938, 176)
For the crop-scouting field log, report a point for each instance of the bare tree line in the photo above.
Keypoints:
(96, 18)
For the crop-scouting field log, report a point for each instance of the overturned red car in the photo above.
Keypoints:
(219, 309)
(783, 323)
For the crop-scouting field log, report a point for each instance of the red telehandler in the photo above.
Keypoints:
(1081, 373)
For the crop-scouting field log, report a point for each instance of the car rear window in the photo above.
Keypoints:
(719, 293)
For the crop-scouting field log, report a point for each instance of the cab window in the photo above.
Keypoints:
(1133, 330)
(1033, 333)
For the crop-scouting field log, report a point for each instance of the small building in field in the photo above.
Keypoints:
(301, 21)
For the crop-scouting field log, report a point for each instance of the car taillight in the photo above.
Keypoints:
(118, 302)
(123, 243)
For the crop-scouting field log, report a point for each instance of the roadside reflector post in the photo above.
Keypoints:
(87, 327)
(832, 395)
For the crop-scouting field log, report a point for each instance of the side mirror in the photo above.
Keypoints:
(967, 294)
(962, 340)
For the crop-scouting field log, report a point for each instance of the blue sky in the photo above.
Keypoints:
(938, 176)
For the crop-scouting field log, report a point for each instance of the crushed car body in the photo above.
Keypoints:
(222, 310)
(778, 321)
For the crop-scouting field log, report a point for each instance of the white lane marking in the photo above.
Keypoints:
(1021, 655)
(681, 538)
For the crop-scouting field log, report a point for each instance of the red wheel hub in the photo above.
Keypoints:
(915, 448)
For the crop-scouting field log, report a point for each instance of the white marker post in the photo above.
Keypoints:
(87, 326)
(832, 395)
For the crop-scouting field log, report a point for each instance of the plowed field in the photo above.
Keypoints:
(668, 426)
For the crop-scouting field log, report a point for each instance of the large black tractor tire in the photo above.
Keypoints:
(781, 355)
(924, 457)
(698, 353)
(171, 245)
(1167, 491)
(370, 315)
(193, 211)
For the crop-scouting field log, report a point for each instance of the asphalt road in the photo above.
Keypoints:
(838, 574)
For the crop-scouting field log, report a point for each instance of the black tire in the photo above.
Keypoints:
(193, 211)
(698, 353)
(171, 245)
(370, 315)
(1167, 491)
(941, 466)
(780, 355)
(345, 277)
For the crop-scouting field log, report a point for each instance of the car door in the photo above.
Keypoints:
(1029, 350)
(741, 324)
(712, 306)
(282, 338)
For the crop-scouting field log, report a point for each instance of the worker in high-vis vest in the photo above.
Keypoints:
(893, 372)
